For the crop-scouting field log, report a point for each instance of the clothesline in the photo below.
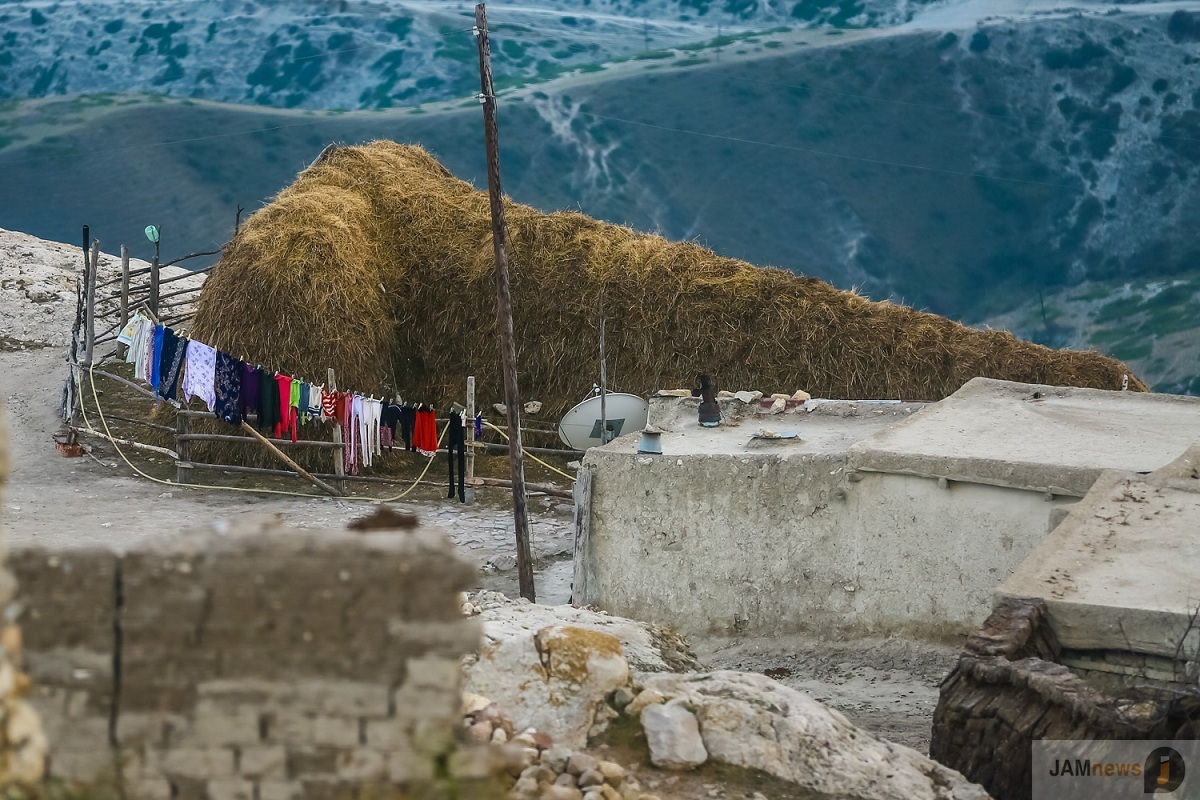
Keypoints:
(178, 369)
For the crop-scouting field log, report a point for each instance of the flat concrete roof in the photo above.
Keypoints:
(1027, 436)
(821, 426)
(1122, 571)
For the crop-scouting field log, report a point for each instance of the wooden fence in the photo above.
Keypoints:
(107, 303)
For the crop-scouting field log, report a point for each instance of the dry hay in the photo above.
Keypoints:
(378, 262)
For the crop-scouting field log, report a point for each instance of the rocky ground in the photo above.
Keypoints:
(885, 686)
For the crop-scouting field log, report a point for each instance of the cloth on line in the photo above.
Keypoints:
(228, 388)
(284, 423)
(156, 357)
(199, 378)
(249, 402)
(268, 401)
(425, 438)
(173, 350)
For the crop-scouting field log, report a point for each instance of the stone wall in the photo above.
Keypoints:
(276, 666)
(22, 742)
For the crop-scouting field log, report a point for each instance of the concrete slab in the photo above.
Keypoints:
(1122, 571)
(821, 426)
(1027, 436)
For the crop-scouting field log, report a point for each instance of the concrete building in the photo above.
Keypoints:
(875, 517)
(1121, 577)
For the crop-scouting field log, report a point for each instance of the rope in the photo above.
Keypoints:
(531, 455)
(132, 466)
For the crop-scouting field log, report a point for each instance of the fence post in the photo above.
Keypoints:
(339, 453)
(469, 481)
(182, 449)
(154, 285)
(90, 336)
(124, 294)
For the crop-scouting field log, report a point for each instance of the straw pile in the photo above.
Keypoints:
(378, 262)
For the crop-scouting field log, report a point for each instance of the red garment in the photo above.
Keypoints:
(287, 412)
(425, 436)
(329, 404)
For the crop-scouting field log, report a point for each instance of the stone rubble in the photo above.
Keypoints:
(540, 769)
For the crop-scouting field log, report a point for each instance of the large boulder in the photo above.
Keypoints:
(647, 647)
(749, 720)
(555, 679)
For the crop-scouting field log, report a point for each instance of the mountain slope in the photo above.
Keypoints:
(366, 54)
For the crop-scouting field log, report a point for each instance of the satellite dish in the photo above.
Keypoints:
(580, 427)
(152, 233)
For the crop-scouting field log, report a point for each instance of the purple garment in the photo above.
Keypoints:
(249, 401)
(228, 383)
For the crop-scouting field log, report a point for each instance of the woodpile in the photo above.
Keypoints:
(1007, 691)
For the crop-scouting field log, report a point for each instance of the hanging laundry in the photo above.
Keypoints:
(143, 336)
(478, 424)
(329, 405)
(249, 401)
(284, 423)
(425, 438)
(294, 407)
(156, 356)
(173, 350)
(127, 334)
(268, 401)
(346, 403)
(408, 421)
(199, 376)
(389, 418)
(456, 447)
(227, 388)
(385, 438)
(310, 402)
(369, 426)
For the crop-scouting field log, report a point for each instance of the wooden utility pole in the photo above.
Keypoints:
(469, 481)
(339, 454)
(508, 347)
(90, 322)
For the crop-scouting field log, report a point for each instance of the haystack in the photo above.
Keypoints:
(378, 262)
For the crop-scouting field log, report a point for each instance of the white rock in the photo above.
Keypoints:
(778, 406)
(752, 721)
(748, 397)
(674, 736)
(554, 679)
(802, 396)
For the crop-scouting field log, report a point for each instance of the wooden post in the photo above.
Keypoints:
(73, 390)
(583, 526)
(508, 346)
(91, 304)
(339, 454)
(469, 481)
(603, 377)
(320, 484)
(153, 301)
(182, 449)
(124, 294)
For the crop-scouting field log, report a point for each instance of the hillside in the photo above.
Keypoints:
(337, 54)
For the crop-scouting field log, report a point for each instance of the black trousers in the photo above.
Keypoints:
(456, 447)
